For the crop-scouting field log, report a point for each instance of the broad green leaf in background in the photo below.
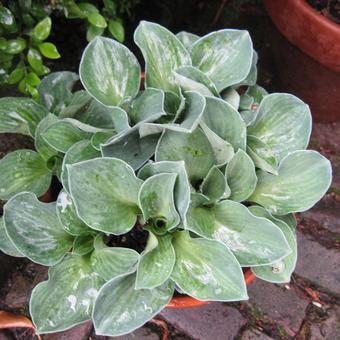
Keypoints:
(223, 150)
(182, 186)
(253, 240)
(105, 193)
(67, 215)
(289, 219)
(303, 178)
(93, 32)
(197, 199)
(120, 308)
(55, 89)
(34, 58)
(241, 176)
(49, 50)
(80, 151)
(130, 147)
(225, 121)
(214, 185)
(225, 56)
(112, 262)
(117, 30)
(163, 54)
(6, 245)
(42, 30)
(148, 106)
(207, 270)
(20, 115)
(15, 46)
(283, 122)
(97, 20)
(70, 133)
(262, 155)
(187, 39)
(109, 71)
(43, 148)
(192, 79)
(281, 271)
(194, 148)
(23, 170)
(66, 299)
(156, 263)
(156, 200)
(7, 19)
(35, 230)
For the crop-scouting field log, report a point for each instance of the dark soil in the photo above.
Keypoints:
(328, 8)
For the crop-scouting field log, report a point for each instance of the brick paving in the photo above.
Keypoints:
(306, 308)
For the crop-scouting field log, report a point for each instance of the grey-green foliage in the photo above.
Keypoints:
(187, 159)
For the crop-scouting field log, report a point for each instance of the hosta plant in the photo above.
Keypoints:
(199, 179)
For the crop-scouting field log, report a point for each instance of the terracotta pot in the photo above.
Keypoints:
(307, 29)
(189, 302)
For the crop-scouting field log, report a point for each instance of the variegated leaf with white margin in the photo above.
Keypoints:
(163, 54)
(251, 78)
(111, 262)
(182, 186)
(257, 92)
(197, 199)
(156, 200)
(232, 97)
(35, 230)
(225, 121)
(241, 177)
(303, 178)
(289, 219)
(187, 39)
(281, 271)
(23, 170)
(105, 193)
(6, 245)
(148, 104)
(193, 148)
(66, 299)
(130, 147)
(83, 244)
(55, 90)
(214, 185)
(70, 133)
(192, 79)
(67, 215)
(45, 150)
(120, 308)
(283, 122)
(76, 104)
(105, 117)
(156, 263)
(223, 150)
(81, 151)
(253, 240)
(187, 121)
(225, 56)
(262, 155)
(207, 270)
(20, 115)
(109, 71)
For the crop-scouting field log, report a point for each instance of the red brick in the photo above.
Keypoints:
(80, 332)
(213, 321)
(279, 304)
(318, 264)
